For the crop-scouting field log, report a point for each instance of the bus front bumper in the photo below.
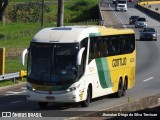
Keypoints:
(67, 97)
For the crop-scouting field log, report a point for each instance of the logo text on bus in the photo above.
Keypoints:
(119, 62)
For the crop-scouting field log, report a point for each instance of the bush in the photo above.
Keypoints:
(81, 11)
(25, 12)
(88, 14)
(79, 6)
(1, 36)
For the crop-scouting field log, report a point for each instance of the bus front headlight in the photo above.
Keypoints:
(29, 87)
(73, 88)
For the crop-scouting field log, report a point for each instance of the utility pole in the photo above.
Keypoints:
(42, 19)
(3, 5)
(60, 13)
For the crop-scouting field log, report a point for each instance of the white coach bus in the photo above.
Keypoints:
(78, 63)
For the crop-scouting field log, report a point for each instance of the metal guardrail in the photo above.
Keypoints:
(20, 74)
(9, 76)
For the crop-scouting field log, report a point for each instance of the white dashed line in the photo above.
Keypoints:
(148, 79)
(117, 17)
(23, 88)
(13, 93)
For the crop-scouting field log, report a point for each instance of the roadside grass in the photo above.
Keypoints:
(14, 65)
(17, 36)
(15, 27)
(8, 82)
(33, 0)
(11, 82)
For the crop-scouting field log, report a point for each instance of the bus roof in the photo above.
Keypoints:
(70, 34)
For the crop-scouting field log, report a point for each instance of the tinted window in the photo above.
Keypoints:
(111, 45)
(148, 30)
(141, 19)
(134, 17)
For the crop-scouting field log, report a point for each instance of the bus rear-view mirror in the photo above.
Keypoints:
(22, 57)
(79, 56)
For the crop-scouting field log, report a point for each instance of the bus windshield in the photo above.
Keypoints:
(52, 63)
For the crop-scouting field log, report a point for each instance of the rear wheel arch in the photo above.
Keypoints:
(126, 79)
(118, 94)
(125, 86)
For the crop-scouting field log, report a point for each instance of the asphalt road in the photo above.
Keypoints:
(147, 78)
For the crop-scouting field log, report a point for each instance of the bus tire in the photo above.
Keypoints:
(88, 99)
(124, 88)
(42, 104)
(120, 89)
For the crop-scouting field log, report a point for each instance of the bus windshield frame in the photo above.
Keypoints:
(52, 63)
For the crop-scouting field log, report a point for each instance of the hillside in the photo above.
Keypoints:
(23, 20)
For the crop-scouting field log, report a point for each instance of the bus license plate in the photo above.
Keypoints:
(50, 97)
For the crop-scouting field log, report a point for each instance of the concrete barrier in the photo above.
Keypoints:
(149, 12)
(150, 2)
(101, 20)
(136, 105)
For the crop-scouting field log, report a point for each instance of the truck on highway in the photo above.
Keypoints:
(121, 5)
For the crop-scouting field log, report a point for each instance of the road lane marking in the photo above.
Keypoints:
(117, 17)
(15, 102)
(23, 88)
(148, 79)
(13, 93)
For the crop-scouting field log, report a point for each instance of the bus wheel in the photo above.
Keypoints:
(124, 88)
(42, 104)
(88, 99)
(120, 89)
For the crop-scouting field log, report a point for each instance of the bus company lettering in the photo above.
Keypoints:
(119, 62)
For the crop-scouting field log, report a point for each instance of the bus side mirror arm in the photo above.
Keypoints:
(79, 56)
(22, 57)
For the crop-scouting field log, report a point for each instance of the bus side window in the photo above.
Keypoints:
(91, 49)
(96, 47)
(95, 54)
(131, 43)
(105, 47)
(101, 47)
(111, 49)
(122, 44)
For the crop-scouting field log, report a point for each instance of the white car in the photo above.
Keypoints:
(121, 7)
(114, 1)
(141, 22)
